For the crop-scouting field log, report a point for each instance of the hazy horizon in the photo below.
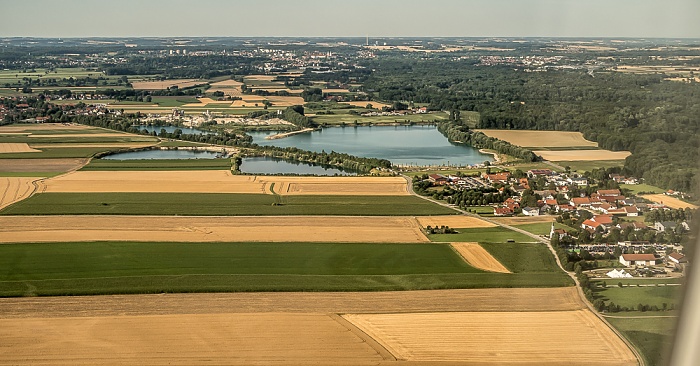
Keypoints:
(333, 19)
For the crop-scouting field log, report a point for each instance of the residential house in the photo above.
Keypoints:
(663, 226)
(581, 202)
(677, 258)
(531, 211)
(438, 179)
(502, 211)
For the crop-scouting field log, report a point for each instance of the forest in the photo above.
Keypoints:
(657, 120)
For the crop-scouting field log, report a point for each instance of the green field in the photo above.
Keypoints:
(127, 267)
(60, 152)
(221, 204)
(636, 188)
(582, 166)
(482, 235)
(653, 337)
(525, 257)
(633, 295)
(159, 164)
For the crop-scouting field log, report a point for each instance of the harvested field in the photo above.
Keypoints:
(583, 155)
(540, 138)
(669, 201)
(232, 339)
(537, 338)
(91, 135)
(241, 328)
(210, 101)
(12, 148)
(453, 221)
(479, 258)
(336, 91)
(222, 181)
(524, 220)
(285, 101)
(158, 85)
(116, 144)
(375, 105)
(213, 181)
(260, 77)
(227, 83)
(341, 186)
(43, 127)
(210, 229)
(40, 165)
(496, 299)
(13, 189)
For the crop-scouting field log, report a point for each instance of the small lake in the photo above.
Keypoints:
(162, 155)
(402, 145)
(171, 129)
(268, 165)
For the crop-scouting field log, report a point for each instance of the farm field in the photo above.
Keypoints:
(94, 268)
(158, 164)
(165, 84)
(331, 229)
(669, 201)
(454, 221)
(514, 221)
(631, 296)
(13, 189)
(537, 337)
(583, 166)
(582, 155)
(11, 148)
(494, 234)
(533, 139)
(213, 181)
(221, 204)
(479, 258)
(348, 118)
(636, 188)
(306, 323)
(653, 337)
(39, 165)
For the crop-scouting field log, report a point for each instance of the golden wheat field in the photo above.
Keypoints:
(453, 221)
(14, 148)
(13, 189)
(478, 257)
(669, 201)
(499, 338)
(540, 138)
(165, 84)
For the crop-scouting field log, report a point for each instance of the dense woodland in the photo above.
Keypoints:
(657, 120)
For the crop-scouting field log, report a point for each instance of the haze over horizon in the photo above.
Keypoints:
(323, 18)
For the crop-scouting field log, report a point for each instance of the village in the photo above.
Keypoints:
(643, 236)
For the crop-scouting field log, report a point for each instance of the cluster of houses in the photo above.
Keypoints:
(421, 110)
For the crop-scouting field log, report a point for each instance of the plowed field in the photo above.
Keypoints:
(210, 229)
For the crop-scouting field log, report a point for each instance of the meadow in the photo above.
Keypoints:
(221, 204)
(482, 235)
(653, 337)
(130, 267)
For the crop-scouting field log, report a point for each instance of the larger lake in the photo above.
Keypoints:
(402, 145)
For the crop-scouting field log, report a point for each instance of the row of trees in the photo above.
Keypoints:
(462, 134)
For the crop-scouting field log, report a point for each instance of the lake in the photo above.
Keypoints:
(162, 155)
(268, 165)
(402, 145)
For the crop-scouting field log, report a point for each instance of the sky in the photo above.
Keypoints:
(351, 18)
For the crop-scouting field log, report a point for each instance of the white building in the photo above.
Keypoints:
(638, 260)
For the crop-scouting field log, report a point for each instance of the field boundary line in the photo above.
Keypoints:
(366, 338)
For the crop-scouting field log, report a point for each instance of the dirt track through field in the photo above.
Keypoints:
(453, 222)
(583, 155)
(478, 257)
(669, 201)
(543, 338)
(28, 229)
(14, 148)
(13, 189)
(365, 186)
